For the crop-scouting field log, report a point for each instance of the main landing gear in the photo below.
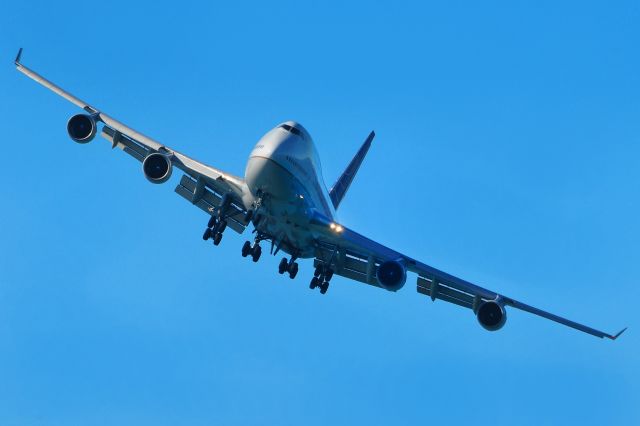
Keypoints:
(290, 266)
(254, 250)
(215, 228)
(321, 277)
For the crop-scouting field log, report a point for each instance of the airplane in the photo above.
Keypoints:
(283, 196)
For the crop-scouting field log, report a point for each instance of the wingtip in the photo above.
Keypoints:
(17, 60)
(618, 335)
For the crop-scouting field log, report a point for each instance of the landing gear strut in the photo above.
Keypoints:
(321, 277)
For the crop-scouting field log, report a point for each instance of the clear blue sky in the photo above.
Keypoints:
(507, 152)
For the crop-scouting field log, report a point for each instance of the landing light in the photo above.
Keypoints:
(335, 227)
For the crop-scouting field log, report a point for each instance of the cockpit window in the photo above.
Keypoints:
(292, 129)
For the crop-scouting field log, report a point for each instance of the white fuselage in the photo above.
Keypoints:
(284, 173)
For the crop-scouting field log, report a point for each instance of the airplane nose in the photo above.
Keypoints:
(296, 129)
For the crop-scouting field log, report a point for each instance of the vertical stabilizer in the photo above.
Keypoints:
(339, 189)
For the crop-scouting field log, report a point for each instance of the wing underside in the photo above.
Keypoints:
(202, 185)
(358, 258)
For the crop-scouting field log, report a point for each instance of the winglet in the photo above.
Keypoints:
(617, 335)
(17, 61)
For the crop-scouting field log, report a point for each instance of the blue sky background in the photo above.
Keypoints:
(507, 153)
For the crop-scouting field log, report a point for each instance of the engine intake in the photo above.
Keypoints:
(81, 128)
(157, 168)
(391, 275)
(491, 315)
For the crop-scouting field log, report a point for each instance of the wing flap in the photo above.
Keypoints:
(125, 143)
(208, 201)
(348, 264)
(436, 290)
(425, 291)
(348, 273)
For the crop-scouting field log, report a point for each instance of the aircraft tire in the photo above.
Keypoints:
(293, 270)
(246, 249)
(256, 252)
(217, 238)
(283, 266)
(314, 283)
(207, 234)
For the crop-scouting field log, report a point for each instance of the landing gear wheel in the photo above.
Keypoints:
(246, 249)
(317, 271)
(293, 270)
(212, 222)
(314, 283)
(283, 266)
(217, 238)
(324, 287)
(256, 251)
(207, 234)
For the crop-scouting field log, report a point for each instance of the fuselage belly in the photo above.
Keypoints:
(283, 176)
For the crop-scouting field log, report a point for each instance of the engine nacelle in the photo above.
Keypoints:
(157, 168)
(391, 275)
(491, 315)
(82, 128)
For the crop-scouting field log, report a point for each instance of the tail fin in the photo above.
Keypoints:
(339, 189)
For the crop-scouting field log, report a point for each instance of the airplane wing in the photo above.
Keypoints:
(359, 258)
(205, 186)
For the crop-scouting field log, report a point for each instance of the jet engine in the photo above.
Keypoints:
(391, 275)
(157, 168)
(491, 315)
(81, 128)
